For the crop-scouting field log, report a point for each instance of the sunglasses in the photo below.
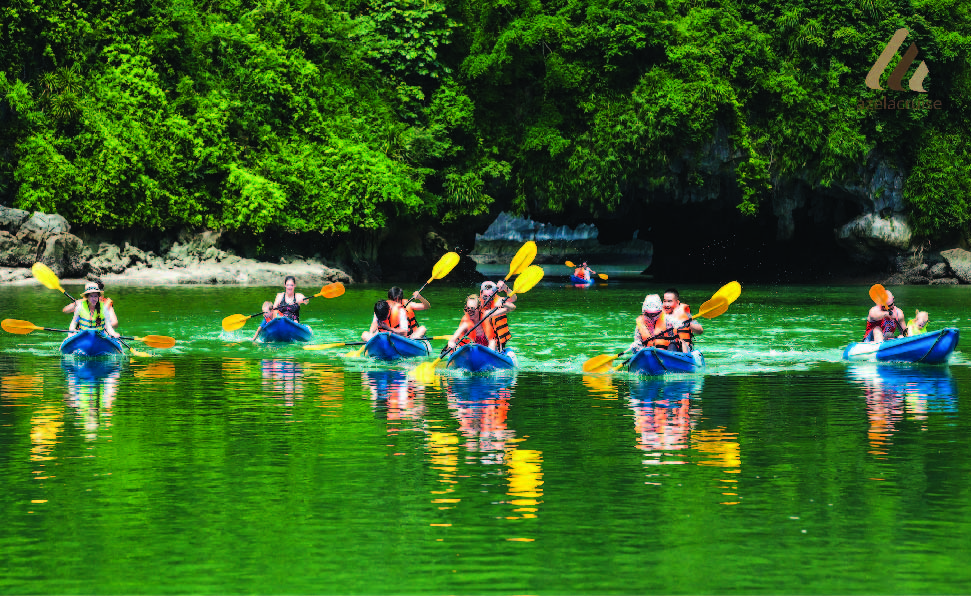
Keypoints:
(470, 310)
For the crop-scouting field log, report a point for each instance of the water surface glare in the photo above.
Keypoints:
(221, 466)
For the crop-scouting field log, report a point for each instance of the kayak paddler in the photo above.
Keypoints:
(483, 335)
(288, 301)
(110, 307)
(92, 313)
(268, 315)
(675, 315)
(383, 322)
(884, 321)
(490, 299)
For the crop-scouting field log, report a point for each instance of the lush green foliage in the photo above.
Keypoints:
(293, 115)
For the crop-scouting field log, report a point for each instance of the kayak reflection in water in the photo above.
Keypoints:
(91, 389)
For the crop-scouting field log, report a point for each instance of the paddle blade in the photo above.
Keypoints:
(330, 291)
(879, 294)
(602, 275)
(441, 337)
(522, 259)
(425, 369)
(135, 352)
(157, 341)
(527, 279)
(444, 265)
(570, 264)
(730, 292)
(713, 308)
(45, 276)
(18, 327)
(598, 362)
(355, 353)
(234, 322)
(325, 346)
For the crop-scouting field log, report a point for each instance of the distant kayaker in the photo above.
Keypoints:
(884, 321)
(917, 325)
(489, 299)
(91, 313)
(396, 299)
(584, 272)
(386, 321)
(483, 335)
(676, 313)
(268, 315)
(288, 302)
(109, 306)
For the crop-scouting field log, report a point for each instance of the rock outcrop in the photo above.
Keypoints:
(193, 258)
(557, 244)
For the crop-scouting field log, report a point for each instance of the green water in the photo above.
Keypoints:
(220, 466)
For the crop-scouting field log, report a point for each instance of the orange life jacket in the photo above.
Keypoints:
(646, 330)
(481, 335)
(679, 316)
(580, 272)
(395, 314)
(499, 323)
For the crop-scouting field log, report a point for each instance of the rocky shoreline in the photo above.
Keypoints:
(196, 258)
(28, 238)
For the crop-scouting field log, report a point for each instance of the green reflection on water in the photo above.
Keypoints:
(223, 466)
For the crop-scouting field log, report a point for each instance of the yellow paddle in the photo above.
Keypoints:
(234, 322)
(47, 277)
(717, 305)
(341, 344)
(25, 327)
(442, 268)
(879, 294)
(524, 283)
(572, 266)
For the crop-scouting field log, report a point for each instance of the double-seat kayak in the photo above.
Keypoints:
(388, 346)
(654, 362)
(934, 347)
(581, 281)
(285, 330)
(91, 343)
(479, 358)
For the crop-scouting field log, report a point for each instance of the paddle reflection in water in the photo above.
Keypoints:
(46, 421)
(91, 387)
(394, 396)
(481, 403)
(662, 415)
(896, 392)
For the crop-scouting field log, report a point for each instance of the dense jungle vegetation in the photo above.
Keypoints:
(334, 116)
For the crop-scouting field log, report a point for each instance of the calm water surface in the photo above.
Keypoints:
(220, 466)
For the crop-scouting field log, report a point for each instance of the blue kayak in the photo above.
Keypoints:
(87, 370)
(652, 361)
(91, 343)
(388, 346)
(929, 348)
(285, 330)
(479, 358)
(580, 281)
